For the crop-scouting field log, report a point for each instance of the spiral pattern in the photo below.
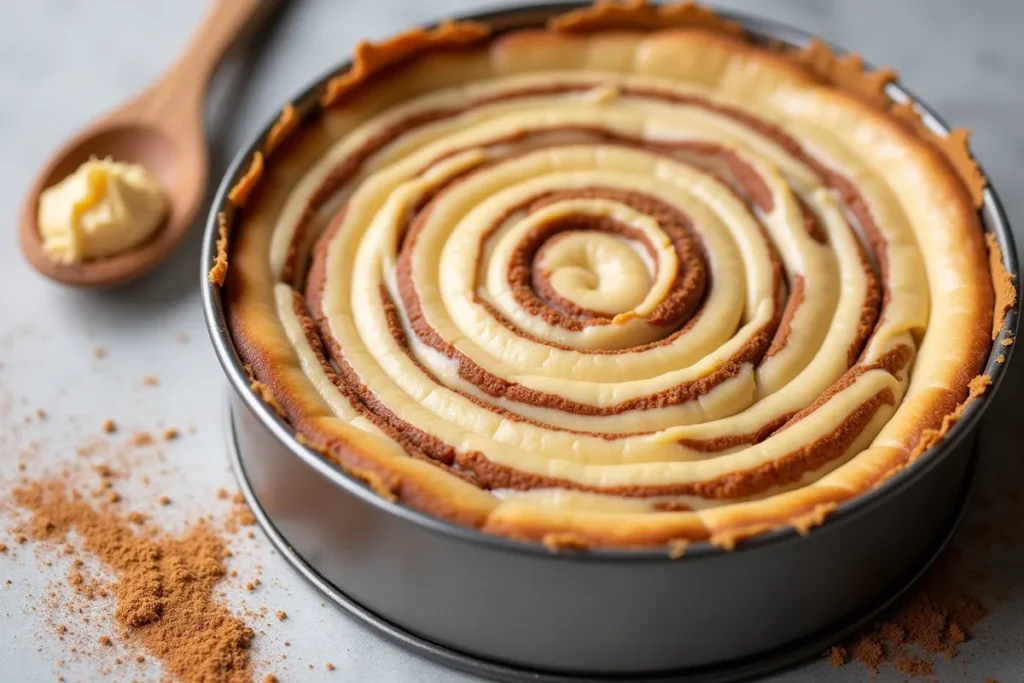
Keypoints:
(674, 291)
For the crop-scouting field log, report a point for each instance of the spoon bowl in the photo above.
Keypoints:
(181, 174)
(162, 131)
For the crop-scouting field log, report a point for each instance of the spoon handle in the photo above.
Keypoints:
(175, 100)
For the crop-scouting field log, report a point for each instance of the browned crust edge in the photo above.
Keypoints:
(606, 15)
(370, 59)
(1002, 284)
(219, 271)
(953, 148)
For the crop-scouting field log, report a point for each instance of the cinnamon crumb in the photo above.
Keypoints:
(113, 497)
(222, 493)
(3, 547)
(99, 352)
(142, 439)
(281, 615)
(935, 618)
(270, 678)
(164, 500)
(150, 381)
(330, 667)
(171, 434)
(913, 665)
(40, 413)
(838, 655)
(164, 586)
(869, 652)
(61, 629)
(136, 518)
(20, 539)
(109, 427)
(140, 659)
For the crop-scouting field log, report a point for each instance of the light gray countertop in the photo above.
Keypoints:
(64, 61)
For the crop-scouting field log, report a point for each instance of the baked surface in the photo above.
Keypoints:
(610, 283)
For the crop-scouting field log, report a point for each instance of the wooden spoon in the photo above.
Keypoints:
(161, 129)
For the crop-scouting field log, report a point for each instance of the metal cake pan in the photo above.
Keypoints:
(516, 606)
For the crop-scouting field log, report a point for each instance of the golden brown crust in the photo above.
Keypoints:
(1002, 283)
(566, 540)
(239, 194)
(219, 270)
(371, 59)
(264, 392)
(384, 488)
(677, 548)
(930, 437)
(440, 489)
(611, 15)
(846, 72)
(282, 128)
(953, 147)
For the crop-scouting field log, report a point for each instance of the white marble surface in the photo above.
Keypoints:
(64, 61)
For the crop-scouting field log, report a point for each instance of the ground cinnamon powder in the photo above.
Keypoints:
(934, 619)
(164, 586)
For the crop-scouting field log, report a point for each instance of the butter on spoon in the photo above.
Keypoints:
(160, 130)
(103, 208)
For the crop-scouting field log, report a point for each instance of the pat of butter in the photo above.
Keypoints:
(103, 208)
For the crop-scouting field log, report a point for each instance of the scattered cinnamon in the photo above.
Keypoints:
(838, 655)
(330, 667)
(914, 665)
(137, 518)
(164, 586)
(164, 500)
(142, 439)
(935, 619)
(109, 427)
(3, 547)
(241, 515)
(281, 615)
(869, 652)
(222, 494)
(171, 434)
